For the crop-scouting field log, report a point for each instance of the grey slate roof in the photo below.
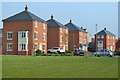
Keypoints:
(73, 27)
(54, 23)
(105, 32)
(22, 16)
(1, 31)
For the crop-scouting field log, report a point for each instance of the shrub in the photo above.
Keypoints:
(68, 51)
(38, 52)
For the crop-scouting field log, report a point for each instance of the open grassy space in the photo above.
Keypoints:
(59, 67)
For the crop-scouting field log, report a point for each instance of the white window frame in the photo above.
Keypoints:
(98, 36)
(60, 29)
(44, 26)
(36, 24)
(108, 36)
(36, 44)
(8, 47)
(7, 35)
(35, 33)
(44, 36)
(102, 36)
(61, 39)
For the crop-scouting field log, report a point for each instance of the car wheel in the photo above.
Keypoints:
(110, 55)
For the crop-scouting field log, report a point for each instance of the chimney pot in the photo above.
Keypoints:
(70, 21)
(104, 28)
(26, 8)
(52, 17)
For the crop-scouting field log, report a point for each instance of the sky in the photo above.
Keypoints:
(83, 14)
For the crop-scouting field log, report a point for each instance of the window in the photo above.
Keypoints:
(43, 47)
(60, 29)
(44, 26)
(35, 35)
(35, 46)
(44, 36)
(22, 34)
(22, 47)
(98, 36)
(9, 46)
(102, 36)
(61, 38)
(9, 35)
(108, 37)
(113, 37)
(36, 24)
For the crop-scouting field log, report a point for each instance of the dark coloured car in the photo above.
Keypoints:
(79, 53)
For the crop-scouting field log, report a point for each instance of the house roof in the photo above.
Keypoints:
(53, 23)
(23, 16)
(105, 32)
(73, 27)
(1, 31)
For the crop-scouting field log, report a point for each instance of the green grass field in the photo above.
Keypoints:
(59, 67)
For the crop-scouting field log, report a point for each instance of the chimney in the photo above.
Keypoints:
(52, 17)
(105, 29)
(81, 27)
(70, 21)
(26, 8)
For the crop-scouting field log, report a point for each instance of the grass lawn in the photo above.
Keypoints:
(59, 67)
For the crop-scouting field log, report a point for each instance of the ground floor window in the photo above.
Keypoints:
(35, 46)
(22, 47)
(9, 46)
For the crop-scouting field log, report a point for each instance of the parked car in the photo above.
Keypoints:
(79, 52)
(104, 52)
(56, 49)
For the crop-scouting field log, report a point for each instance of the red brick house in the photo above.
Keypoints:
(118, 45)
(57, 34)
(77, 36)
(23, 33)
(105, 40)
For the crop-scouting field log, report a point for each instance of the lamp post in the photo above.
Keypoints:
(96, 38)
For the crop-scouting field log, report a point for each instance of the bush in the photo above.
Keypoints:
(68, 54)
(68, 51)
(38, 52)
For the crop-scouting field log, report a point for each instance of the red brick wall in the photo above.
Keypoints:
(53, 37)
(73, 40)
(21, 25)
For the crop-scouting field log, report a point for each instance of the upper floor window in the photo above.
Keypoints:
(108, 36)
(36, 24)
(9, 35)
(9, 46)
(61, 38)
(22, 34)
(60, 29)
(98, 36)
(44, 26)
(44, 36)
(113, 37)
(35, 35)
(102, 36)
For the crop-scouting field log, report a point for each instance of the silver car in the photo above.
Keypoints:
(104, 52)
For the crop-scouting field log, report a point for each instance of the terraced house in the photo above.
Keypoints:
(77, 36)
(57, 34)
(105, 40)
(23, 33)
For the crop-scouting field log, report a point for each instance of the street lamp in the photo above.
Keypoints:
(96, 37)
